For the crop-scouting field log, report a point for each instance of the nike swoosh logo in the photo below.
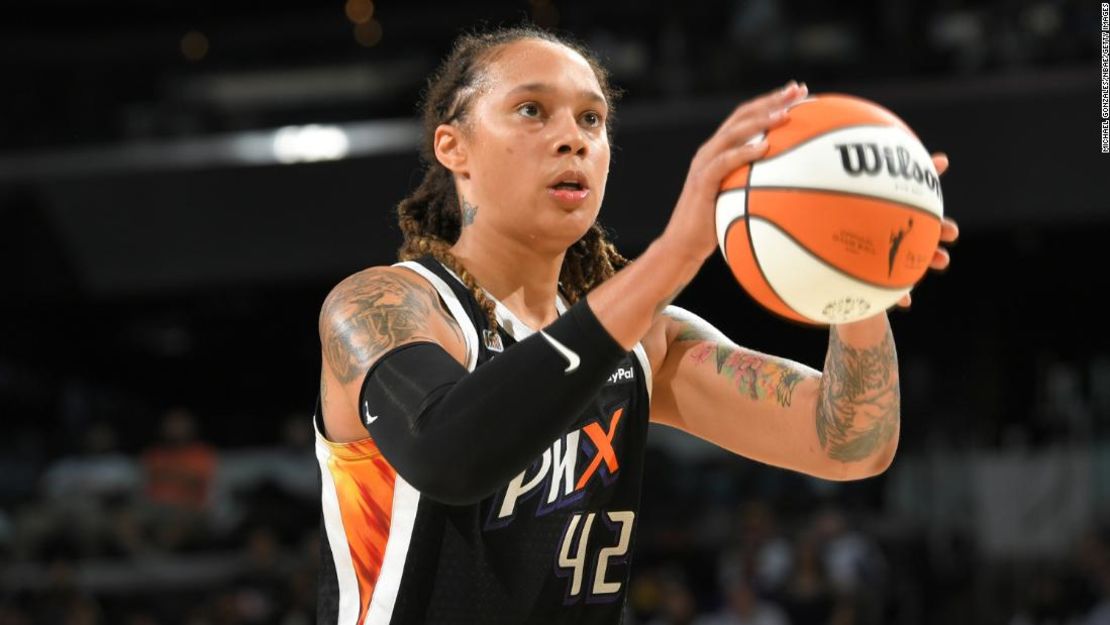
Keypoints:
(366, 416)
(572, 358)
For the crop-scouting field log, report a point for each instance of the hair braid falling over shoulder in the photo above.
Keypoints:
(429, 217)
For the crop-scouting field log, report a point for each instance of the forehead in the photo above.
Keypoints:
(532, 62)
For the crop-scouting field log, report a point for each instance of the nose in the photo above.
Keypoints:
(568, 135)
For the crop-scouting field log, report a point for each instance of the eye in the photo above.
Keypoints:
(529, 106)
(593, 119)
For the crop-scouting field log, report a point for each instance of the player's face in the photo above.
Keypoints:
(540, 113)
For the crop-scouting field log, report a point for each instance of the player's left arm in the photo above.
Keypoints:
(839, 424)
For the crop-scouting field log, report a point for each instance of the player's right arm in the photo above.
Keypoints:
(455, 435)
(367, 315)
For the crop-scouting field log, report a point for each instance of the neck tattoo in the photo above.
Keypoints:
(468, 212)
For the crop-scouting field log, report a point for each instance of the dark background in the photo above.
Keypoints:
(155, 253)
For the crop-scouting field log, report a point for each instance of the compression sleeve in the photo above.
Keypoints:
(458, 436)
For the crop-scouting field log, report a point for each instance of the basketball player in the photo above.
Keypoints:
(484, 403)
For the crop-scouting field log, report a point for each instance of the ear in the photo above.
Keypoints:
(450, 148)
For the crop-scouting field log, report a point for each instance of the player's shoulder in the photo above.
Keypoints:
(379, 286)
(381, 307)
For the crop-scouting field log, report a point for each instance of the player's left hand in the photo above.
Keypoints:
(949, 231)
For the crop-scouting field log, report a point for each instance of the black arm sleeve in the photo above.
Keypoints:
(458, 436)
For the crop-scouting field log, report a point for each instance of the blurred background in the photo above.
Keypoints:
(182, 182)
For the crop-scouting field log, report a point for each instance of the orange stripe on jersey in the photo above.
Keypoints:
(364, 488)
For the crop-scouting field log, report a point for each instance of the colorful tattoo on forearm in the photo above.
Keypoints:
(756, 376)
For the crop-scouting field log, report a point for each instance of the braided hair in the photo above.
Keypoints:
(429, 218)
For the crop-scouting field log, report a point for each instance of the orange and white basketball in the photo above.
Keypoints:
(839, 219)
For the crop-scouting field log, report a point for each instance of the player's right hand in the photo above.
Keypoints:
(692, 226)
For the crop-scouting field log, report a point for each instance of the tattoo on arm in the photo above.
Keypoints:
(756, 375)
(859, 402)
(369, 314)
(468, 212)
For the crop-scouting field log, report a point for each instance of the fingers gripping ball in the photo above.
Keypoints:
(839, 219)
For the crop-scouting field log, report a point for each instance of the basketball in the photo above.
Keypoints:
(839, 219)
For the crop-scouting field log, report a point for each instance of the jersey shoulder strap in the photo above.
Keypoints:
(460, 303)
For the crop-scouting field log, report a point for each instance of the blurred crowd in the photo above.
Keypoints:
(732, 542)
(179, 532)
(184, 532)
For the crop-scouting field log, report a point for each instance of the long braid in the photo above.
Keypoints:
(589, 262)
(429, 217)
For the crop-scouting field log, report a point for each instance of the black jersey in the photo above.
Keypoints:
(553, 545)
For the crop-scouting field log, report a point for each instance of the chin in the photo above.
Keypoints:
(561, 223)
(557, 239)
(580, 219)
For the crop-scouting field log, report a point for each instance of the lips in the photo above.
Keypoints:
(567, 180)
(568, 197)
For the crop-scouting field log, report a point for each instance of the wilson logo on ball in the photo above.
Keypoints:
(868, 158)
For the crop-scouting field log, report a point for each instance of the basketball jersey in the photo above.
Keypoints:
(553, 545)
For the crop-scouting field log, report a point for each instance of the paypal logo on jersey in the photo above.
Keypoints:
(557, 478)
(624, 374)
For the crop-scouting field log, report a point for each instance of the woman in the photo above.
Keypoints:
(500, 479)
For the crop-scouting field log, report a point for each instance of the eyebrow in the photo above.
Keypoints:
(593, 96)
